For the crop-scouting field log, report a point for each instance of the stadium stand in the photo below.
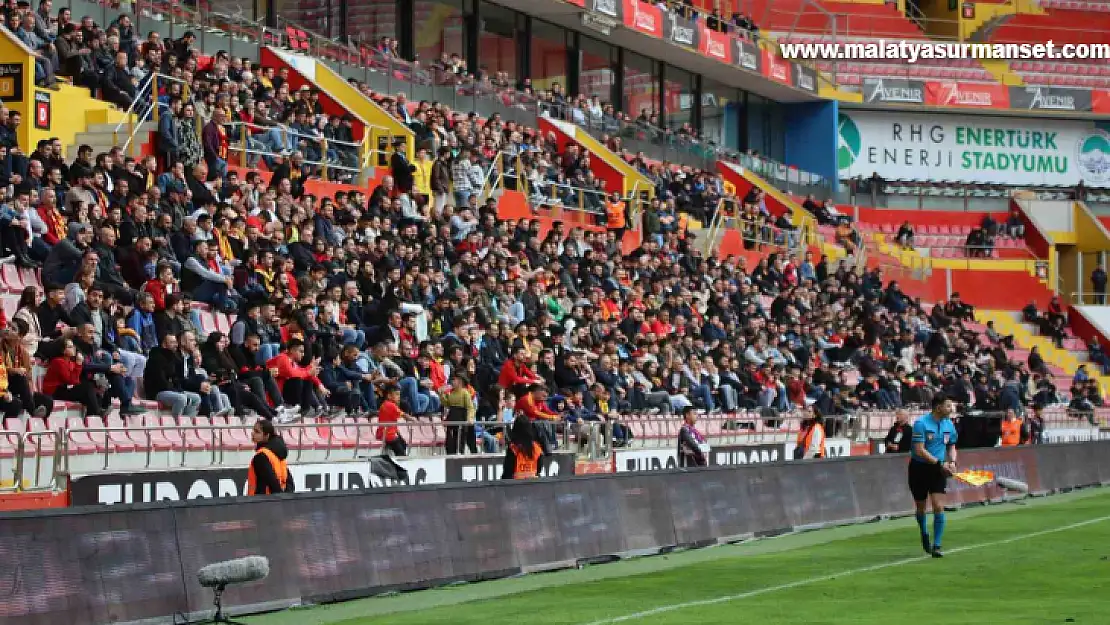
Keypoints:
(515, 243)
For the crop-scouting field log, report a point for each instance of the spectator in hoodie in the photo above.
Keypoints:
(343, 390)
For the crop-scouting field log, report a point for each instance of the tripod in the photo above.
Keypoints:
(218, 602)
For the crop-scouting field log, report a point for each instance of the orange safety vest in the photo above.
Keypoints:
(805, 439)
(527, 467)
(614, 211)
(281, 470)
(1011, 432)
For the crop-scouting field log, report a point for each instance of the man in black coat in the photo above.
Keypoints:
(108, 272)
(118, 88)
(164, 379)
(400, 166)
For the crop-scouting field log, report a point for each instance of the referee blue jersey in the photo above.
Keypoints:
(937, 436)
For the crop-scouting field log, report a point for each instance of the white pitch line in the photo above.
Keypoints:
(824, 578)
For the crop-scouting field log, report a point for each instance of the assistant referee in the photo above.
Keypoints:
(932, 460)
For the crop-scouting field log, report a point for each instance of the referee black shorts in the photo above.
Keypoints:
(926, 479)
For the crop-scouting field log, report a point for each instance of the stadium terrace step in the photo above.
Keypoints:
(1062, 363)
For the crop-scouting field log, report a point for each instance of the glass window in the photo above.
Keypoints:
(679, 94)
(720, 114)
(766, 128)
(497, 41)
(548, 55)
(440, 30)
(641, 87)
(597, 61)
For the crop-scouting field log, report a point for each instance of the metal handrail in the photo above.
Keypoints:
(741, 426)
(324, 165)
(151, 113)
(55, 464)
(1081, 297)
(17, 459)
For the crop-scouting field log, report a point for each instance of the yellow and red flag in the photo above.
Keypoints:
(975, 478)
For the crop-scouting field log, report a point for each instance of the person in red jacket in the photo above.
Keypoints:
(300, 385)
(515, 375)
(161, 285)
(63, 381)
(390, 412)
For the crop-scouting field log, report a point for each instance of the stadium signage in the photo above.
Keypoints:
(612, 8)
(633, 460)
(681, 31)
(643, 17)
(1071, 435)
(715, 45)
(952, 93)
(911, 146)
(893, 91)
(488, 468)
(1050, 99)
(137, 563)
(600, 23)
(776, 68)
(805, 78)
(747, 55)
(117, 488)
(834, 448)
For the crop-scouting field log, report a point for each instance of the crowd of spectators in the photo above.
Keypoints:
(419, 293)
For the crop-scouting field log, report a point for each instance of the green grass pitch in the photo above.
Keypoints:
(1040, 561)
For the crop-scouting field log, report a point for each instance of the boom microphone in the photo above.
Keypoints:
(1011, 484)
(238, 571)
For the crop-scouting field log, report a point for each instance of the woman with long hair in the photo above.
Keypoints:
(522, 456)
(17, 361)
(222, 373)
(27, 310)
(64, 380)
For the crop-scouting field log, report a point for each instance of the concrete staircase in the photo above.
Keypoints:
(1026, 337)
(104, 137)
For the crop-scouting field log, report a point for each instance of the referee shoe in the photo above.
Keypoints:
(937, 552)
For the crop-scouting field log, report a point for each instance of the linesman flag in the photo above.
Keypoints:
(975, 478)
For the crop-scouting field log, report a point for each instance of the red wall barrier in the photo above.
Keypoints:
(33, 501)
(896, 217)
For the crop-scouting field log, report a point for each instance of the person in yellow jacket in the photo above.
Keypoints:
(422, 176)
(268, 473)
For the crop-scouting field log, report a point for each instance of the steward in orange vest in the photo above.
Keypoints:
(811, 439)
(268, 473)
(1011, 430)
(614, 212)
(522, 458)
